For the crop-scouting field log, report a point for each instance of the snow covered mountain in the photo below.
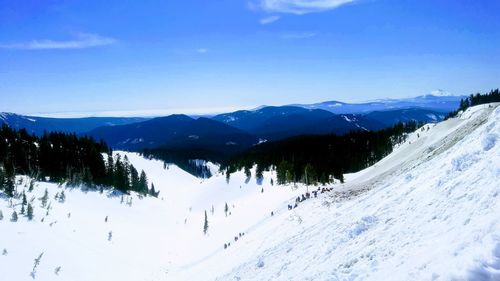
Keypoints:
(38, 125)
(437, 101)
(428, 211)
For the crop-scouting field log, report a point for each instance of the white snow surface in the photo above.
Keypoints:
(428, 211)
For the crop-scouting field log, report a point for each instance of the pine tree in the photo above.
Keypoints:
(10, 175)
(44, 198)
(30, 212)
(24, 202)
(1, 215)
(62, 197)
(153, 191)
(2, 176)
(226, 209)
(134, 179)
(143, 183)
(31, 186)
(205, 225)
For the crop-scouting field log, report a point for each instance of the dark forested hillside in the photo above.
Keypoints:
(477, 99)
(60, 157)
(39, 125)
(391, 117)
(319, 159)
(175, 131)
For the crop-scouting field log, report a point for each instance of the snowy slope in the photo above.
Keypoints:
(428, 211)
(150, 236)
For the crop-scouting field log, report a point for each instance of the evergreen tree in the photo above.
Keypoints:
(134, 179)
(44, 198)
(9, 185)
(62, 197)
(226, 209)
(31, 186)
(143, 183)
(153, 191)
(1, 215)
(205, 225)
(23, 203)
(14, 217)
(29, 213)
(2, 176)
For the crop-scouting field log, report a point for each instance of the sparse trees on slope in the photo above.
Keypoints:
(205, 225)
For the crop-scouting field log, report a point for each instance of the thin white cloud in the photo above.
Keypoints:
(82, 41)
(269, 20)
(300, 7)
(202, 51)
(298, 35)
(143, 113)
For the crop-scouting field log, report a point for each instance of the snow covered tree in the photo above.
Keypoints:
(205, 225)
(1, 215)
(62, 197)
(248, 174)
(35, 265)
(45, 198)
(226, 209)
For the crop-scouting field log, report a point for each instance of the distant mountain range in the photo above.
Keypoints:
(437, 101)
(239, 130)
(274, 123)
(175, 131)
(37, 125)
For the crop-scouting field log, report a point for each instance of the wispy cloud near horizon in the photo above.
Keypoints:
(298, 35)
(300, 7)
(202, 51)
(82, 41)
(269, 20)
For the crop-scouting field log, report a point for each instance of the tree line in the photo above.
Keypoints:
(313, 159)
(64, 158)
(476, 99)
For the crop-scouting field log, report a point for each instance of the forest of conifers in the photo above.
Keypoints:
(64, 158)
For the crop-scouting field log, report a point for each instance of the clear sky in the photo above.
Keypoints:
(95, 56)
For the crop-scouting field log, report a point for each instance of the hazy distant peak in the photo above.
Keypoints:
(440, 93)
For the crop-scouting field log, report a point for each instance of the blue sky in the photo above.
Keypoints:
(195, 56)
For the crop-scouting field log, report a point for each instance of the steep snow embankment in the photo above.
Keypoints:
(429, 211)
